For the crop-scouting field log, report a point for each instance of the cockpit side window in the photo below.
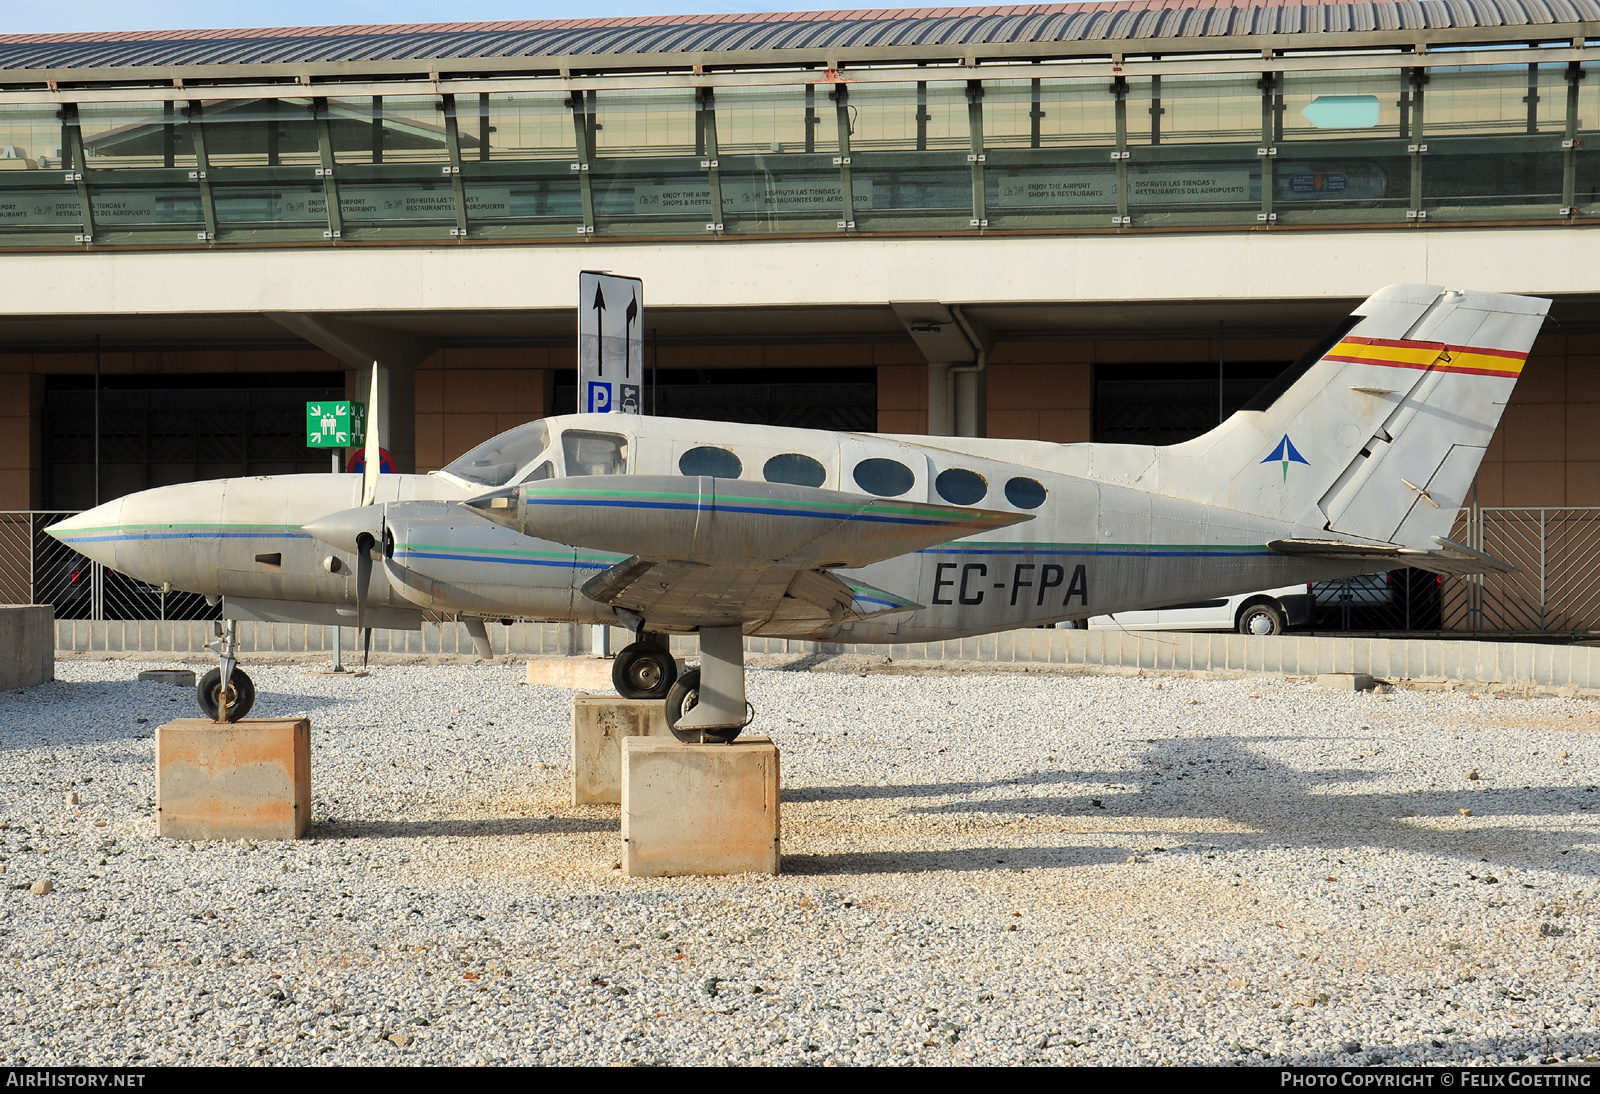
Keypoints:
(496, 461)
(594, 453)
(544, 471)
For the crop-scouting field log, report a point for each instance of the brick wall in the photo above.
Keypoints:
(466, 396)
(1547, 450)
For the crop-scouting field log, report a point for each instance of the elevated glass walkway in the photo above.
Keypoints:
(1370, 141)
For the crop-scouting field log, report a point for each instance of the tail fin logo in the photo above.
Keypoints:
(1285, 453)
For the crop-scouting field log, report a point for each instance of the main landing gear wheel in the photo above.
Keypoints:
(684, 697)
(1262, 619)
(643, 670)
(240, 698)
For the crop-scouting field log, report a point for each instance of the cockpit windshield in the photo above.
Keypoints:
(496, 461)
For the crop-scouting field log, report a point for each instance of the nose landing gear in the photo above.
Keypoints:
(226, 704)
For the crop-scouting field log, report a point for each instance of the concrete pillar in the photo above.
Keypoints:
(940, 422)
(359, 346)
(970, 414)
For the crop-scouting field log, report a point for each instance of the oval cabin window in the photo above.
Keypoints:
(717, 463)
(885, 478)
(795, 469)
(958, 486)
(1025, 493)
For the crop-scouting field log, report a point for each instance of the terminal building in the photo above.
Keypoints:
(1109, 221)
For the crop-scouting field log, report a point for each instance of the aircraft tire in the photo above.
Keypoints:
(681, 699)
(1262, 619)
(208, 692)
(643, 670)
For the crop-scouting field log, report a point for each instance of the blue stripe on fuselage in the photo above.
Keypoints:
(570, 563)
(763, 510)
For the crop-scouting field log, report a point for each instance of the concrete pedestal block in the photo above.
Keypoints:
(1345, 681)
(247, 780)
(699, 809)
(183, 678)
(27, 646)
(599, 723)
(576, 673)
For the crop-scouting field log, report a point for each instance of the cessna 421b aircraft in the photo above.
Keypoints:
(1355, 460)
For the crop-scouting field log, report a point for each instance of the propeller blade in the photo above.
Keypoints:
(364, 545)
(366, 646)
(369, 473)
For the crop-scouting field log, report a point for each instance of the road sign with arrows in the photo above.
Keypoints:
(610, 343)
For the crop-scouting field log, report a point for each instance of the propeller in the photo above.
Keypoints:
(369, 496)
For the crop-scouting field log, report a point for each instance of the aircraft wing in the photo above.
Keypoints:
(707, 552)
(1449, 557)
(785, 599)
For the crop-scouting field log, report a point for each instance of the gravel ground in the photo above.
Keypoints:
(979, 868)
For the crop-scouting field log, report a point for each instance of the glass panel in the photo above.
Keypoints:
(1472, 120)
(1458, 177)
(776, 147)
(647, 123)
(286, 204)
(1072, 113)
(28, 208)
(521, 127)
(496, 461)
(959, 486)
(146, 207)
(774, 121)
(793, 468)
(885, 116)
(30, 138)
(1494, 99)
(904, 176)
(886, 478)
(391, 129)
(1340, 156)
(1025, 493)
(1326, 106)
(594, 453)
(718, 463)
(397, 204)
(652, 194)
(136, 135)
(512, 198)
(260, 133)
(1202, 109)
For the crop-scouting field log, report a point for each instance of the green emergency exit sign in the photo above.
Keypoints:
(336, 424)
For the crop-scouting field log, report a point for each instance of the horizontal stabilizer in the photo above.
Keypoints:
(1449, 557)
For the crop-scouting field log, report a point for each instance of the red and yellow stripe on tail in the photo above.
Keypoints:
(1395, 353)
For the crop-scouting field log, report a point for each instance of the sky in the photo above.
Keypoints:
(32, 17)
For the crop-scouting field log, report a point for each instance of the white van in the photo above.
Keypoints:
(1270, 611)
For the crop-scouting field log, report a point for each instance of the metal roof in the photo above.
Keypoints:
(810, 35)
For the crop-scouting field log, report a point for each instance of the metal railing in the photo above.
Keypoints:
(1555, 591)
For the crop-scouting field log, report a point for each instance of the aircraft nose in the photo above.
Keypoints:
(502, 506)
(94, 533)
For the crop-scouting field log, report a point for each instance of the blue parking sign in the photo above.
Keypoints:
(599, 397)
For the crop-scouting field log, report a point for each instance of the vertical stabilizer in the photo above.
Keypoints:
(1377, 434)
